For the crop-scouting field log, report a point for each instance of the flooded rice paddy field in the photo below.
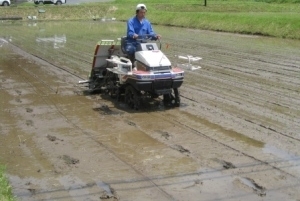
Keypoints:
(235, 136)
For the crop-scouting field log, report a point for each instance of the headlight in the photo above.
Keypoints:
(178, 74)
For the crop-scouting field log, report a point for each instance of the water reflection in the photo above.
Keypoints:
(58, 41)
(292, 159)
(40, 38)
(2, 42)
(5, 40)
(34, 24)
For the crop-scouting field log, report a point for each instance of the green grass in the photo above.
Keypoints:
(5, 188)
(277, 18)
(268, 17)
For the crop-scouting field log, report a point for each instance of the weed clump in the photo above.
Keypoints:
(5, 188)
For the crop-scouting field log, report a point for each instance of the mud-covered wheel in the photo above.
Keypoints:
(111, 89)
(132, 98)
(154, 95)
(177, 97)
(92, 86)
(119, 93)
(92, 83)
(95, 82)
(167, 99)
(112, 93)
(91, 80)
(172, 99)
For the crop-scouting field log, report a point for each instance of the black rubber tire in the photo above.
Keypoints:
(177, 97)
(154, 95)
(167, 99)
(112, 90)
(132, 97)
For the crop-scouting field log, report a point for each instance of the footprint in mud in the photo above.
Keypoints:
(227, 165)
(109, 194)
(32, 190)
(18, 92)
(249, 183)
(69, 160)
(181, 149)
(53, 138)
(105, 110)
(18, 100)
(164, 134)
(130, 123)
(29, 110)
(29, 122)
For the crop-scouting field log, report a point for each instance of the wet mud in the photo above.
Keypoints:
(235, 136)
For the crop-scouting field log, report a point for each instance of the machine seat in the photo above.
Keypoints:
(123, 44)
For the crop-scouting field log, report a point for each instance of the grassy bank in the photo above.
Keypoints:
(249, 17)
(278, 18)
(5, 188)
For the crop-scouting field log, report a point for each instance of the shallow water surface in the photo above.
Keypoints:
(235, 136)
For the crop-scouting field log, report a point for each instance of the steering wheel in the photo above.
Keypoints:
(146, 38)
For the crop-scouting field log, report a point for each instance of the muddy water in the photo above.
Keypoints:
(235, 136)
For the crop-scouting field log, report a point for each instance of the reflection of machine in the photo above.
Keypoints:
(58, 41)
(151, 76)
(2, 41)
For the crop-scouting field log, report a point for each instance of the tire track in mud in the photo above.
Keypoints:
(223, 78)
(209, 58)
(50, 103)
(77, 59)
(236, 104)
(213, 94)
(41, 59)
(177, 147)
(230, 147)
(255, 115)
(231, 63)
(275, 96)
(166, 118)
(219, 77)
(237, 60)
(39, 91)
(248, 118)
(256, 163)
(231, 72)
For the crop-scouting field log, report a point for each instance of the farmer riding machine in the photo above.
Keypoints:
(149, 75)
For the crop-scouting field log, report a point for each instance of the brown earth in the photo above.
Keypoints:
(235, 136)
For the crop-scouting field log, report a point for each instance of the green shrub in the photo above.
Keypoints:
(5, 188)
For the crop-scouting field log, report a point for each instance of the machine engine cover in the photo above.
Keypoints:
(153, 58)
